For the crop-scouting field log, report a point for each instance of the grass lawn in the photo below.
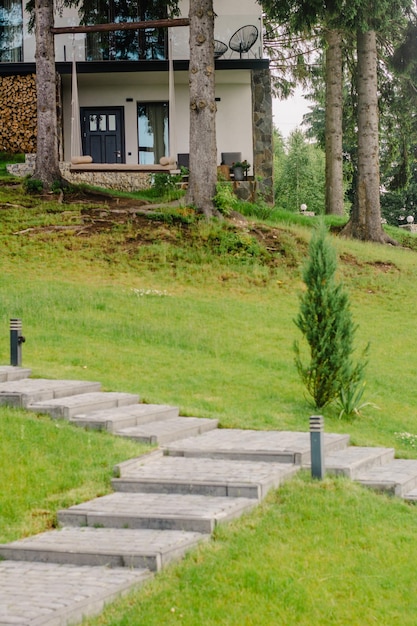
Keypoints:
(201, 316)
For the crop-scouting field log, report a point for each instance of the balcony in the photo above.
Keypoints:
(147, 45)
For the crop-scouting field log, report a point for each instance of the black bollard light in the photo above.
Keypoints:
(317, 446)
(16, 340)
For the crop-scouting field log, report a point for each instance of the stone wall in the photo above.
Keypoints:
(263, 133)
(118, 179)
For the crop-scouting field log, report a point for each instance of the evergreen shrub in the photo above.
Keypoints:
(325, 320)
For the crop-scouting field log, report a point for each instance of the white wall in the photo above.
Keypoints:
(231, 15)
(234, 111)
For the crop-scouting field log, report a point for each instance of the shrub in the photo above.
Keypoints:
(166, 185)
(32, 185)
(326, 322)
(225, 200)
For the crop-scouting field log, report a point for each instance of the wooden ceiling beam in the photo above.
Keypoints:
(97, 28)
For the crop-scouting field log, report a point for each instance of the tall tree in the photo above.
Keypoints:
(300, 178)
(365, 20)
(47, 162)
(303, 18)
(203, 152)
(370, 19)
(334, 123)
(365, 222)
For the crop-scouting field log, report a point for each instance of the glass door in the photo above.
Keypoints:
(152, 132)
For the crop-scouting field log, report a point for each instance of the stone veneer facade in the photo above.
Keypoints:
(263, 133)
(117, 180)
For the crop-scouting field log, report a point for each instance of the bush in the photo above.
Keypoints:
(225, 200)
(32, 185)
(167, 185)
(326, 322)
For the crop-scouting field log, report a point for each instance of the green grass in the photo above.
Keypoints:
(6, 159)
(327, 553)
(201, 316)
(47, 465)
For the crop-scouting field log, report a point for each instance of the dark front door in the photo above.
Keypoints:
(103, 134)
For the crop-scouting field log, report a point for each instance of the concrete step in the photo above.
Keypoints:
(167, 430)
(10, 372)
(22, 393)
(110, 547)
(214, 477)
(159, 511)
(125, 416)
(411, 496)
(398, 477)
(254, 445)
(69, 406)
(353, 460)
(49, 594)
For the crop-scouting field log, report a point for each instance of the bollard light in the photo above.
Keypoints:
(16, 340)
(317, 446)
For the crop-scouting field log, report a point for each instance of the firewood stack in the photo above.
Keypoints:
(18, 114)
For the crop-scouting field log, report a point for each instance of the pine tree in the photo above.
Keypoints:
(326, 322)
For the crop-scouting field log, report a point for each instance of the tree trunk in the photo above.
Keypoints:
(203, 151)
(47, 162)
(365, 221)
(334, 131)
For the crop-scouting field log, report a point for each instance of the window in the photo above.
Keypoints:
(129, 45)
(11, 31)
(152, 131)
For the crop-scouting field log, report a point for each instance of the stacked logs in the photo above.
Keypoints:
(18, 114)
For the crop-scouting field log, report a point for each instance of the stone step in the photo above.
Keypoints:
(353, 460)
(411, 496)
(398, 477)
(50, 594)
(110, 547)
(22, 393)
(69, 406)
(125, 416)
(159, 511)
(214, 477)
(254, 445)
(11, 372)
(167, 430)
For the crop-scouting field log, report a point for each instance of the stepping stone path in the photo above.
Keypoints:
(164, 503)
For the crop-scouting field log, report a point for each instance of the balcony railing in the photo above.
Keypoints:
(148, 45)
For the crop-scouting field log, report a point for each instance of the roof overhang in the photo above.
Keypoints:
(101, 67)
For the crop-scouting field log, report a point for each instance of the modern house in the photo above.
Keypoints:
(133, 94)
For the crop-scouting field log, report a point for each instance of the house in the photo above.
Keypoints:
(133, 108)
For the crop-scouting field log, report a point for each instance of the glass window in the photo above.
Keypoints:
(11, 31)
(93, 123)
(152, 132)
(102, 122)
(112, 122)
(128, 45)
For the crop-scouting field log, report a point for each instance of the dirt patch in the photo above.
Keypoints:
(92, 197)
(383, 266)
(349, 259)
